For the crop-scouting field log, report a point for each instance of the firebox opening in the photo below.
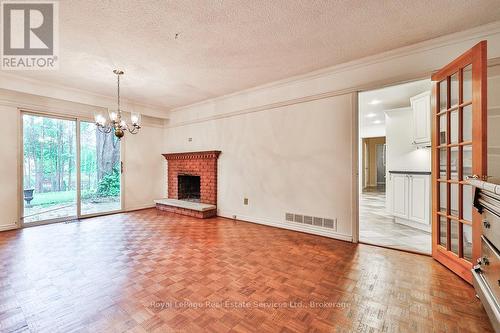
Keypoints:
(188, 188)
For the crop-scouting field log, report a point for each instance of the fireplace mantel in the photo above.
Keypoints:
(209, 154)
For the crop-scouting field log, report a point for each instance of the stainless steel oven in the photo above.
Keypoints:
(486, 274)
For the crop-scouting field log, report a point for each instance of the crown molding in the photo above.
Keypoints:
(309, 98)
(10, 81)
(260, 108)
(443, 41)
(74, 109)
(304, 99)
(41, 107)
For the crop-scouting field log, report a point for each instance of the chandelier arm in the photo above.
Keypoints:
(104, 129)
(133, 130)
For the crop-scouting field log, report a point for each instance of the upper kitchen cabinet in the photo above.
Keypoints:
(421, 106)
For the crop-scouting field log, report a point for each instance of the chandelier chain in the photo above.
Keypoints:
(118, 76)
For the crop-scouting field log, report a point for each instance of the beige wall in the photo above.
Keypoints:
(296, 158)
(144, 169)
(143, 176)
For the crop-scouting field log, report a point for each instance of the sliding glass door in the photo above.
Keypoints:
(70, 169)
(100, 169)
(49, 172)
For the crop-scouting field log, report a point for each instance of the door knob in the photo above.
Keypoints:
(484, 178)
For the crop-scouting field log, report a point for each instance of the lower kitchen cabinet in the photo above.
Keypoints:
(411, 199)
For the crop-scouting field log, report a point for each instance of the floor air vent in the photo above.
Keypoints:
(298, 218)
(312, 220)
(329, 223)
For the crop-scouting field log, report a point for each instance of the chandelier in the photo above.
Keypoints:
(116, 122)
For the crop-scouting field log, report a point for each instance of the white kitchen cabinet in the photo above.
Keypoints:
(400, 195)
(421, 108)
(411, 200)
(419, 205)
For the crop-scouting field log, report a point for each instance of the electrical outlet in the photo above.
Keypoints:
(245, 201)
(234, 217)
(190, 139)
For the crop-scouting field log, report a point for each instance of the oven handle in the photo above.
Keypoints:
(485, 206)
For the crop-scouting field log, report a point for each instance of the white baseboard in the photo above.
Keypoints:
(131, 209)
(310, 229)
(8, 227)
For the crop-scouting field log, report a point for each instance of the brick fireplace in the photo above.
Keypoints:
(186, 168)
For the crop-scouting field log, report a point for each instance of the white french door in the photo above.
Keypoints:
(69, 169)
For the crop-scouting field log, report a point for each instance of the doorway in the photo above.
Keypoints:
(395, 167)
(380, 156)
(69, 169)
(374, 163)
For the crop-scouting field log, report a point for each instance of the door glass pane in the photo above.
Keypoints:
(442, 162)
(49, 168)
(467, 161)
(454, 159)
(454, 90)
(442, 129)
(442, 95)
(442, 196)
(467, 230)
(100, 170)
(467, 197)
(467, 79)
(454, 199)
(454, 236)
(442, 230)
(467, 123)
(454, 127)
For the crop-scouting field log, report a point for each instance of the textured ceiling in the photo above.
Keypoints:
(226, 46)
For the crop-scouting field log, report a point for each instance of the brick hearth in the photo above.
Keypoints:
(202, 164)
(187, 212)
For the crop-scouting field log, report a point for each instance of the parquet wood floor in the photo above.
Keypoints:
(144, 272)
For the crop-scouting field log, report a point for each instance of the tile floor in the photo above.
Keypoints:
(376, 226)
